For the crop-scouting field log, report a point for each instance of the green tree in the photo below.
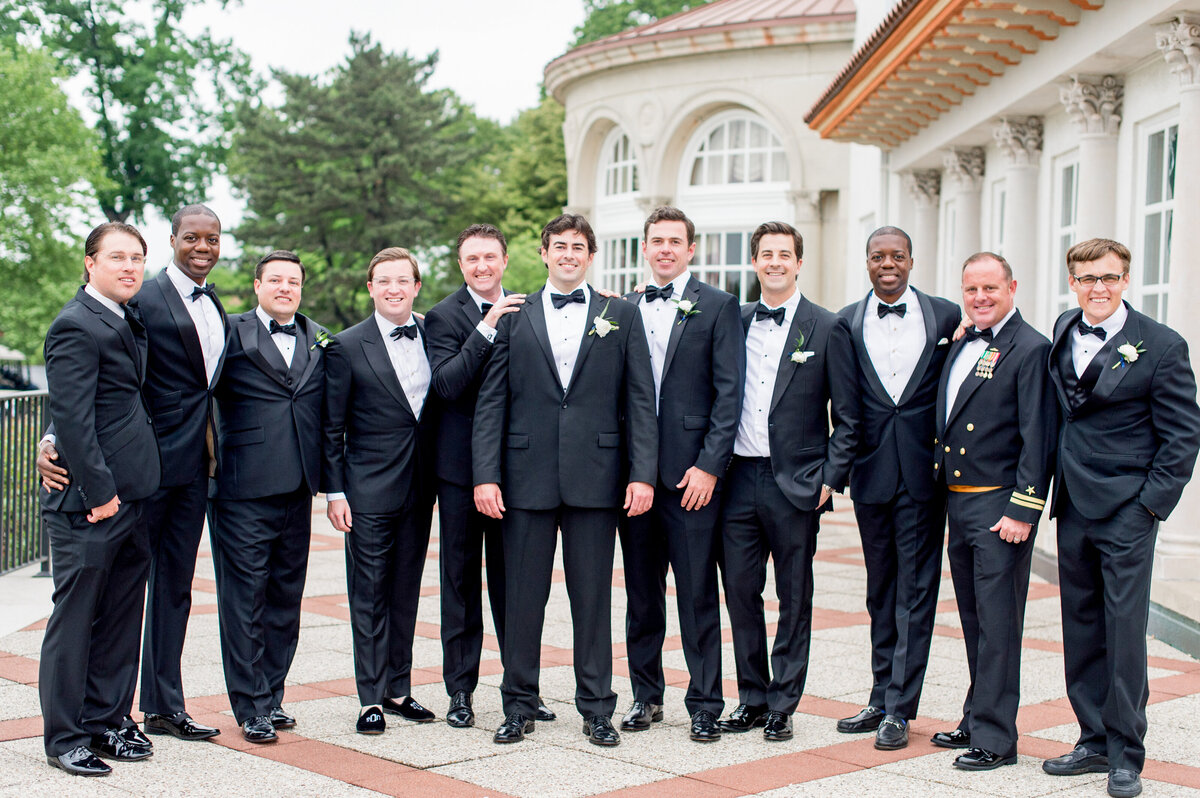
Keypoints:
(606, 17)
(47, 157)
(368, 158)
(159, 93)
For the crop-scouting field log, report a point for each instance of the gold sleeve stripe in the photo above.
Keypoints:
(1025, 501)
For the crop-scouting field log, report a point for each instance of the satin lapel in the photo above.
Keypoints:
(748, 316)
(314, 352)
(927, 353)
(944, 381)
(802, 323)
(375, 351)
(118, 324)
(537, 319)
(138, 328)
(261, 350)
(188, 333)
(1061, 339)
(1111, 377)
(595, 307)
(225, 349)
(691, 292)
(864, 358)
(469, 308)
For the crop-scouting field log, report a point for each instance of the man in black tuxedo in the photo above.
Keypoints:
(268, 464)
(186, 330)
(901, 337)
(787, 463)
(994, 451)
(1127, 447)
(95, 367)
(565, 411)
(697, 354)
(378, 442)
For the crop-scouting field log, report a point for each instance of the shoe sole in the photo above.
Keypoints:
(604, 743)
(373, 731)
(1126, 793)
(262, 741)
(1096, 767)
(1012, 760)
(777, 738)
(704, 738)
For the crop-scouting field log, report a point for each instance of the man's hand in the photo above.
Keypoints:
(825, 494)
(489, 500)
(54, 477)
(338, 513)
(107, 510)
(604, 292)
(1012, 531)
(638, 497)
(698, 487)
(510, 303)
(962, 328)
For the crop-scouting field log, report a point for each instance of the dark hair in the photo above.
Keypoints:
(569, 221)
(776, 228)
(1095, 249)
(91, 244)
(888, 230)
(978, 256)
(393, 253)
(666, 213)
(279, 254)
(190, 210)
(481, 231)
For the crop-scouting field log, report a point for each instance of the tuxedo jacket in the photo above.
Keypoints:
(700, 398)
(894, 446)
(458, 355)
(95, 368)
(805, 453)
(376, 450)
(1136, 433)
(269, 415)
(547, 446)
(1002, 430)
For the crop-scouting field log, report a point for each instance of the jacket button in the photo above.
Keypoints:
(947, 450)
(935, 466)
(289, 380)
(897, 411)
(564, 404)
(962, 451)
(957, 473)
(970, 428)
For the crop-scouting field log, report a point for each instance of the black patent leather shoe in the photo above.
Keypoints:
(370, 721)
(865, 721)
(460, 715)
(704, 727)
(1124, 783)
(259, 729)
(513, 729)
(407, 709)
(640, 716)
(130, 731)
(544, 713)
(982, 759)
(892, 733)
(113, 745)
(280, 719)
(1080, 760)
(599, 731)
(952, 739)
(79, 761)
(744, 718)
(178, 725)
(778, 727)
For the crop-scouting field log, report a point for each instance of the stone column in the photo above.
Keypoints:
(924, 190)
(1094, 105)
(1178, 552)
(1020, 141)
(812, 282)
(962, 183)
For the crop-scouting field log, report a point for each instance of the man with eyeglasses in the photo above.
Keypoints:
(1127, 446)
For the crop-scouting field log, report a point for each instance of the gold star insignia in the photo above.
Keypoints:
(1031, 490)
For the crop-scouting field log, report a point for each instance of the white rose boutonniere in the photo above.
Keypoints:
(686, 307)
(602, 325)
(321, 339)
(1129, 354)
(800, 354)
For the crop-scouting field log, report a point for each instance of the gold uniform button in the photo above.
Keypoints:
(935, 441)
(935, 465)
(970, 428)
(962, 451)
(957, 473)
(947, 450)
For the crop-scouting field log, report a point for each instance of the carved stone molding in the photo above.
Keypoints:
(646, 204)
(924, 187)
(1094, 104)
(1020, 140)
(964, 168)
(807, 204)
(1179, 42)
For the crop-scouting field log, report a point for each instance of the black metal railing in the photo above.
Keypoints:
(22, 537)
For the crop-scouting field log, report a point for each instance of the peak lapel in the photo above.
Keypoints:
(1115, 368)
(691, 293)
(864, 357)
(188, 333)
(533, 310)
(927, 353)
(313, 351)
(374, 349)
(596, 306)
(1062, 337)
(261, 350)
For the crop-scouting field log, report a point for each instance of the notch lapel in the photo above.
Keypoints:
(313, 352)
(802, 324)
(1062, 337)
(691, 292)
(585, 346)
(972, 382)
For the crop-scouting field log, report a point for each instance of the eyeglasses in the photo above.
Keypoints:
(1088, 280)
(120, 258)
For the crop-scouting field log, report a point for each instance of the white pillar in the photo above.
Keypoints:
(1020, 141)
(1178, 553)
(1094, 105)
(812, 279)
(924, 192)
(962, 184)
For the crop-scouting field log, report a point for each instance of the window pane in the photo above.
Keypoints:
(624, 180)
(1150, 306)
(758, 135)
(1152, 255)
(1154, 168)
(756, 168)
(753, 289)
(737, 134)
(716, 139)
(733, 283)
(634, 172)
(697, 172)
(1166, 249)
(1162, 309)
(737, 168)
(715, 164)
(779, 167)
(733, 249)
(712, 249)
(1172, 149)
(1067, 203)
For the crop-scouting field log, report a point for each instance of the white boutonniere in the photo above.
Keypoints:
(602, 325)
(800, 354)
(322, 340)
(1129, 354)
(686, 307)
(943, 342)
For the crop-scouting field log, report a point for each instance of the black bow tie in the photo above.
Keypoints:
(485, 307)
(899, 310)
(763, 312)
(286, 329)
(562, 300)
(1087, 329)
(204, 290)
(653, 292)
(974, 334)
(407, 331)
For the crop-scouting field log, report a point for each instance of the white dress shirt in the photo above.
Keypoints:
(486, 330)
(95, 294)
(964, 365)
(285, 343)
(894, 344)
(1085, 347)
(659, 318)
(409, 361)
(765, 342)
(566, 327)
(205, 316)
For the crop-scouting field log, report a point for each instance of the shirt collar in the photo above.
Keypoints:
(908, 299)
(478, 299)
(549, 289)
(998, 326)
(266, 319)
(791, 304)
(183, 284)
(1113, 324)
(386, 327)
(678, 282)
(95, 294)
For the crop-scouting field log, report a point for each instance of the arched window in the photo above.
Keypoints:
(620, 166)
(738, 149)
